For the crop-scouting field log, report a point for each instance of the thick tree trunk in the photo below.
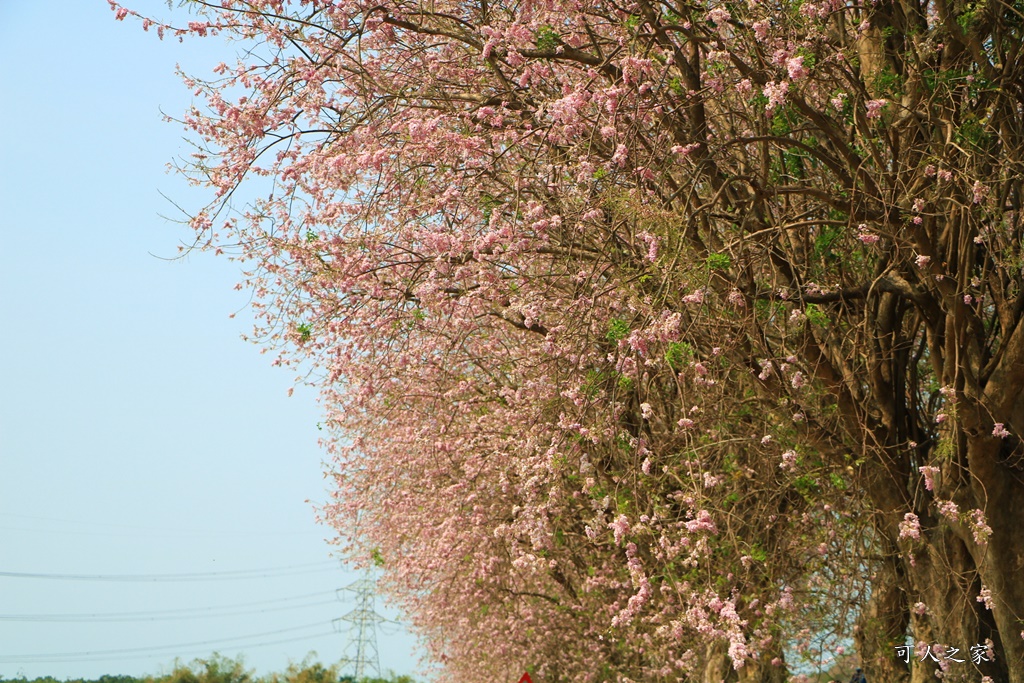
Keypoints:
(1000, 481)
(718, 668)
(882, 626)
(1003, 574)
(943, 577)
(948, 572)
(762, 672)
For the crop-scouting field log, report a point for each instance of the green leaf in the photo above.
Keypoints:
(678, 355)
(547, 38)
(718, 261)
(617, 329)
(816, 316)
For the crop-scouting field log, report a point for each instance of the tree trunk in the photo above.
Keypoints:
(882, 626)
(958, 559)
(942, 575)
(998, 481)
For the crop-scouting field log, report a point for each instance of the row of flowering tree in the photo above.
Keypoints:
(660, 340)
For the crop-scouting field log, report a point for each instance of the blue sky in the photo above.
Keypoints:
(138, 434)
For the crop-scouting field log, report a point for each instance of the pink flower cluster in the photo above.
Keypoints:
(776, 94)
(875, 107)
(703, 522)
(949, 510)
(788, 461)
(910, 527)
(795, 68)
(985, 596)
(929, 473)
(979, 527)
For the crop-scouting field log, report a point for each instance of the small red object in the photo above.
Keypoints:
(526, 678)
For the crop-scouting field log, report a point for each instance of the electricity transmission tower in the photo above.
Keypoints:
(361, 649)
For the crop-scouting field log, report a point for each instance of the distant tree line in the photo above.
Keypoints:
(220, 669)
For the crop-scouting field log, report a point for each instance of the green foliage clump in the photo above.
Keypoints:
(816, 315)
(617, 329)
(678, 355)
(718, 261)
(547, 38)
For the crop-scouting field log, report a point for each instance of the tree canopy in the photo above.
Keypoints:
(659, 340)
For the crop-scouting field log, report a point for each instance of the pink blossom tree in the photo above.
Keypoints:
(659, 341)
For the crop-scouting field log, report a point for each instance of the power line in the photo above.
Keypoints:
(271, 572)
(180, 613)
(142, 617)
(120, 529)
(73, 657)
(43, 657)
(183, 534)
